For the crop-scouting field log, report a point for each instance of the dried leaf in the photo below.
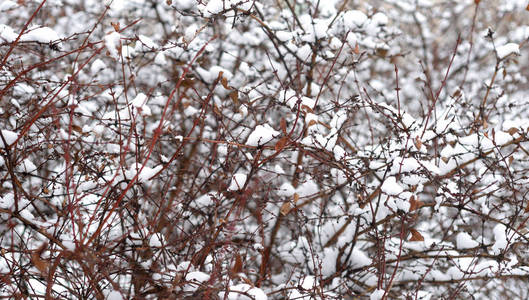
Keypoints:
(281, 144)
(237, 266)
(511, 158)
(445, 159)
(485, 124)
(296, 198)
(115, 25)
(416, 236)
(234, 96)
(283, 125)
(381, 52)
(38, 262)
(224, 82)
(356, 50)
(312, 122)
(418, 143)
(477, 1)
(77, 129)
(168, 2)
(306, 108)
(512, 130)
(216, 110)
(415, 203)
(286, 208)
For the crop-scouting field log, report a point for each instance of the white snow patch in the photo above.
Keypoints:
(9, 136)
(237, 182)
(114, 295)
(353, 19)
(7, 33)
(377, 294)
(507, 49)
(261, 135)
(237, 292)
(112, 42)
(391, 187)
(500, 239)
(195, 279)
(465, 241)
(41, 35)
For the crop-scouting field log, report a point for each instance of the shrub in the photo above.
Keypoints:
(237, 149)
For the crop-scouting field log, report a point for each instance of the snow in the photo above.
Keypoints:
(7, 33)
(500, 238)
(7, 5)
(354, 19)
(7, 202)
(261, 135)
(114, 295)
(155, 241)
(391, 187)
(41, 35)
(9, 136)
(507, 49)
(377, 294)
(112, 43)
(140, 103)
(465, 241)
(195, 279)
(236, 293)
(214, 7)
(237, 182)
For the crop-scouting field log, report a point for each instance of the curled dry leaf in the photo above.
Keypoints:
(281, 144)
(415, 236)
(234, 96)
(415, 203)
(283, 125)
(115, 25)
(417, 142)
(237, 265)
(286, 208)
(224, 83)
(312, 122)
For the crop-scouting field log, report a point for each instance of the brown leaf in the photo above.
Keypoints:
(38, 262)
(312, 122)
(296, 198)
(234, 96)
(416, 236)
(418, 143)
(115, 25)
(512, 130)
(168, 2)
(477, 1)
(306, 108)
(281, 144)
(224, 82)
(77, 129)
(286, 208)
(356, 50)
(216, 110)
(283, 125)
(237, 266)
(415, 203)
